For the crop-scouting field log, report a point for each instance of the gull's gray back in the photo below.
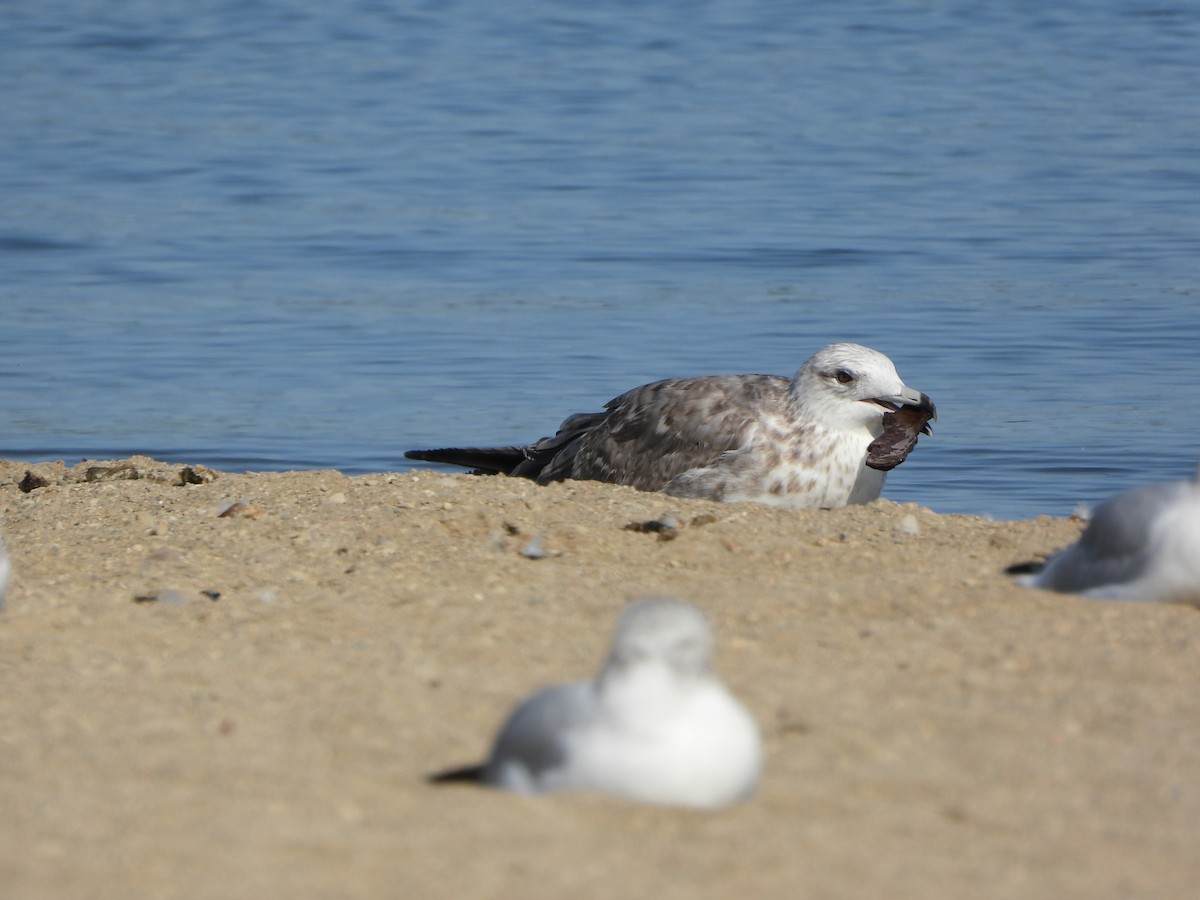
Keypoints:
(658, 431)
(530, 743)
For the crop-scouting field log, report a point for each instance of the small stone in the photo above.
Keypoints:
(240, 508)
(535, 549)
(31, 482)
(666, 528)
(119, 472)
(168, 596)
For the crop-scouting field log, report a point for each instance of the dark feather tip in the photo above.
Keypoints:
(461, 775)
(1029, 567)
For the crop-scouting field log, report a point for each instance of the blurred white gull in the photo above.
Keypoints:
(656, 725)
(1143, 544)
(799, 442)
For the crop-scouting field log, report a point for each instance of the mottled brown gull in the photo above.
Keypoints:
(656, 725)
(1142, 544)
(798, 442)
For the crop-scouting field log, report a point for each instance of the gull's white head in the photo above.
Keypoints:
(848, 385)
(664, 631)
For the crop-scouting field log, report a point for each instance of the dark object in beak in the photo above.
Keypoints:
(900, 431)
(927, 406)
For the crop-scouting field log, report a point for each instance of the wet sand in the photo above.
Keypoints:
(245, 705)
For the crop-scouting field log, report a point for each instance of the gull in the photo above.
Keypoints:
(799, 442)
(1142, 544)
(655, 726)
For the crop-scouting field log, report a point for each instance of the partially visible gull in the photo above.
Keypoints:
(656, 725)
(1143, 544)
(798, 442)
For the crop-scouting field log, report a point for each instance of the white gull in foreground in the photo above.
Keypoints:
(798, 442)
(656, 725)
(1143, 544)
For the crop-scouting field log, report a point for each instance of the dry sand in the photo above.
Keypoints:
(932, 730)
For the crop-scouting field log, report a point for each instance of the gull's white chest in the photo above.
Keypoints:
(809, 468)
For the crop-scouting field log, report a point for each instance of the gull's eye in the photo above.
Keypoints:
(844, 376)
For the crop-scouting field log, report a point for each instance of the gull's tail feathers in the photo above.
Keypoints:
(546, 460)
(467, 774)
(481, 460)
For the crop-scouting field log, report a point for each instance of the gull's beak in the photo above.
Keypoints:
(908, 397)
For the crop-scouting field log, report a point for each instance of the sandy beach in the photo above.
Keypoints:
(233, 685)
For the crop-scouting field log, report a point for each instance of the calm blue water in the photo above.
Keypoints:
(263, 236)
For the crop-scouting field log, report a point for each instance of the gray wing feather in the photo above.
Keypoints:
(653, 433)
(545, 460)
(533, 738)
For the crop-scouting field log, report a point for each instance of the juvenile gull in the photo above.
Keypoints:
(1143, 544)
(798, 442)
(656, 725)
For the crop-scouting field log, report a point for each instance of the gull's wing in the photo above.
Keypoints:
(522, 461)
(658, 431)
(533, 745)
